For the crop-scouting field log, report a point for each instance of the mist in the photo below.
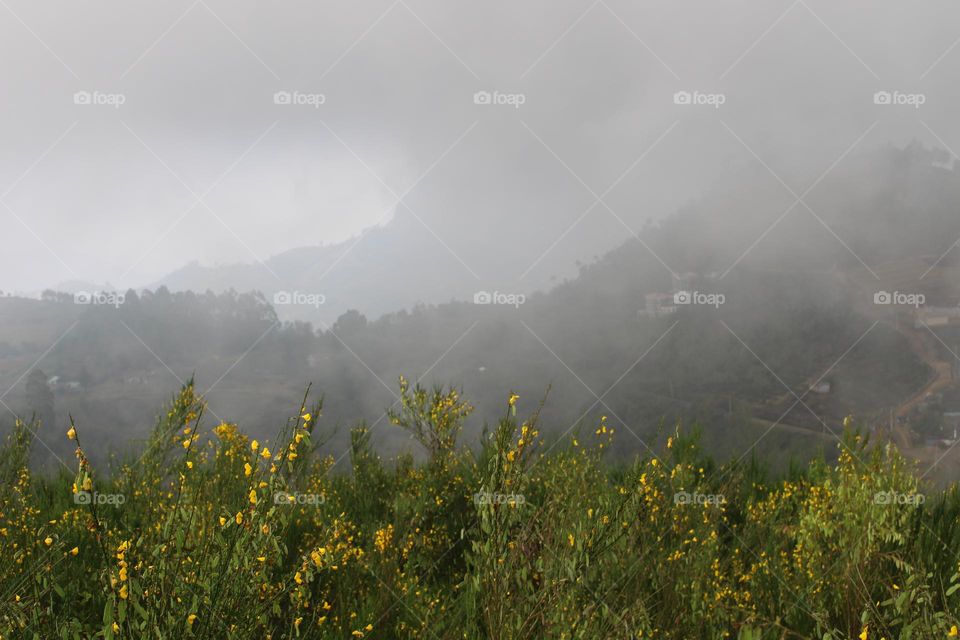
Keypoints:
(496, 197)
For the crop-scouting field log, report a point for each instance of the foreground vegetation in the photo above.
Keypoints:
(209, 534)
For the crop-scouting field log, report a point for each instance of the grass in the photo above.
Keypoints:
(209, 534)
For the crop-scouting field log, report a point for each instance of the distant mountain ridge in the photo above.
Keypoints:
(380, 270)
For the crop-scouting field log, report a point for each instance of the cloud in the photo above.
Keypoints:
(102, 190)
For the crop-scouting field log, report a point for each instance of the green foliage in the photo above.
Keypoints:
(217, 535)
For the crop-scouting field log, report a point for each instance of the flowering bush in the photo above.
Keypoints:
(211, 534)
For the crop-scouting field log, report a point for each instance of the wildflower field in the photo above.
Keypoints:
(208, 533)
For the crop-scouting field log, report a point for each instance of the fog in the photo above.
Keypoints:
(375, 169)
(109, 193)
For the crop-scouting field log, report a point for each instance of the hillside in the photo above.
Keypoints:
(205, 532)
(745, 365)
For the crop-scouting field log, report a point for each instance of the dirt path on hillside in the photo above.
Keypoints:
(925, 346)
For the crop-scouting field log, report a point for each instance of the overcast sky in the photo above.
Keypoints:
(200, 162)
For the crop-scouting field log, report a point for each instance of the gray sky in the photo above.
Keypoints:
(109, 193)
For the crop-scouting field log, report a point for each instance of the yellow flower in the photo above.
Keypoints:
(382, 538)
(254, 445)
(513, 399)
(298, 578)
(189, 464)
(253, 496)
(123, 592)
(115, 627)
(223, 521)
(265, 453)
(570, 539)
(953, 632)
(511, 455)
(71, 434)
(369, 627)
(239, 518)
(191, 618)
(247, 469)
(74, 551)
(48, 541)
(863, 634)
(306, 417)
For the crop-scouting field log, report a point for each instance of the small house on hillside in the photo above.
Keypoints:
(936, 317)
(823, 387)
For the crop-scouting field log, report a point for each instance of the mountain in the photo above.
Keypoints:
(385, 268)
(758, 326)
